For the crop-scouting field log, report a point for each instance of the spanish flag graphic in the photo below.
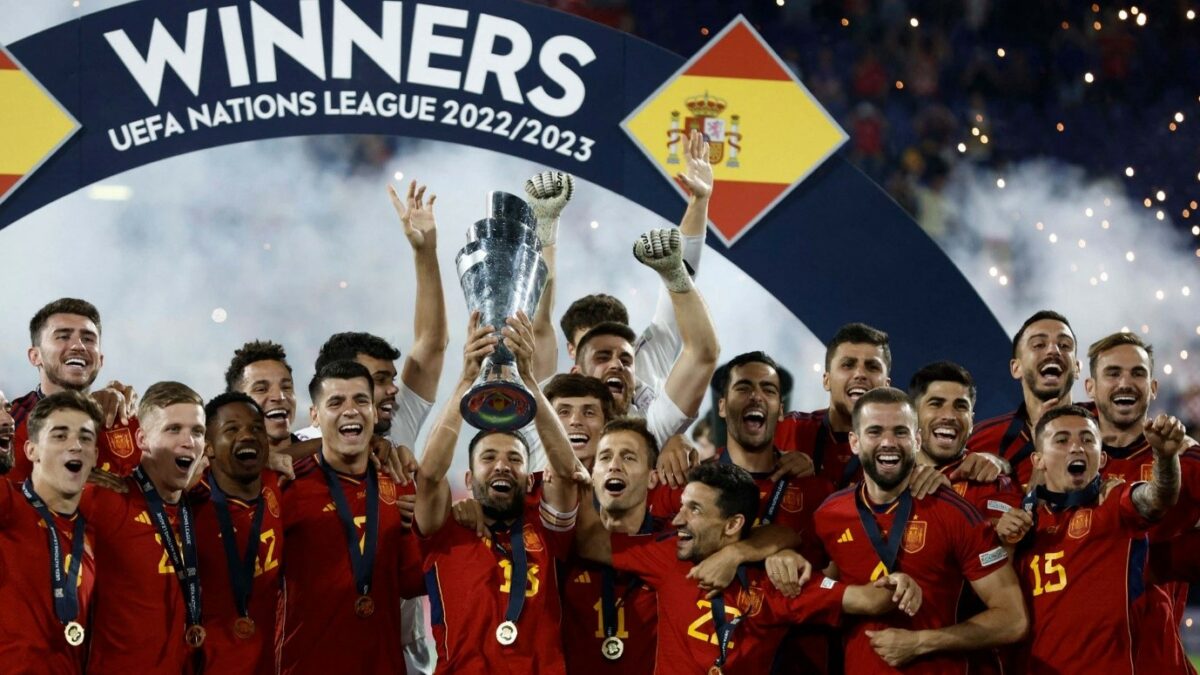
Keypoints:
(765, 131)
(32, 124)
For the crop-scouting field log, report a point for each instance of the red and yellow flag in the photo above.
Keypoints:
(765, 131)
(32, 124)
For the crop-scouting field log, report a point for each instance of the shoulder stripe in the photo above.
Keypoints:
(805, 416)
(965, 507)
(993, 422)
(828, 501)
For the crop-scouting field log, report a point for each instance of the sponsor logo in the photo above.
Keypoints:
(988, 558)
(998, 506)
(827, 583)
(846, 537)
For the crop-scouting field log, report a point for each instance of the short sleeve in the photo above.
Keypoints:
(975, 544)
(819, 603)
(648, 556)
(411, 411)
(665, 419)
(1131, 522)
(1002, 498)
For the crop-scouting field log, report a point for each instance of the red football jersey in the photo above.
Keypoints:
(687, 640)
(583, 618)
(993, 499)
(1159, 610)
(1007, 436)
(809, 646)
(1079, 575)
(31, 635)
(321, 632)
(139, 613)
(116, 447)
(830, 450)
(469, 582)
(225, 652)
(946, 544)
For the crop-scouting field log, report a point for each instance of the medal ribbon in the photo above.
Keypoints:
(608, 586)
(184, 561)
(362, 562)
(241, 572)
(725, 628)
(889, 551)
(520, 566)
(63, 583)
(1061, 501)
(776, 492)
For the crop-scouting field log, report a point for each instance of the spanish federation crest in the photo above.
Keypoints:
(704, 115)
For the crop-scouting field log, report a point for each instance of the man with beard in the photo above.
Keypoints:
(1083, 558)
(65, 348)
(878, 527)
(8, 428)
(1043, 359)
(606, 352)
(857, 360)
(351, 555)
(146, 616)
(944, 394)
(738, 629)
(494, 598)
(44, 616)
(240, 535)
(661, 341)
(1122, 386)
(260, 370)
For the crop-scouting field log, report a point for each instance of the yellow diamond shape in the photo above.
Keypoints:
(32, 124)
(766, 132)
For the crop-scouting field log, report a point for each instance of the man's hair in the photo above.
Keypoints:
(1055, 413)
(165, 394)
(940, 371)
(607, 328)
(723, 377)
(879, 396)
(343, 369)
(1038, 316)
(737, 491)
(347, 346)
(1116, 340)
(221, 400)
(62, 306)
(858, 334)
(576, 385)
(68, 399)
(592, 310)
(484, 433)
(253, 352)
(638, 426)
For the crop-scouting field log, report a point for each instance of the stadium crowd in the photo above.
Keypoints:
(163, 532)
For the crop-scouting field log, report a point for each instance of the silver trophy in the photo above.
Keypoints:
(501, 271)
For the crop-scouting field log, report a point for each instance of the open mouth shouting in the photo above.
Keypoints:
(386, 408)
(1051, 371)
(754, 421)
(579, 440)
(76, 364)
(888, 461)
(502, 486)
(615, 486)
(247, 453)
(351, 431)
(6, 438)
(616, 385)
(184, 463)
(1125, 400)
(1077, 467)
(945, 434)
(855, 392)
(279, 415)
(75, 466)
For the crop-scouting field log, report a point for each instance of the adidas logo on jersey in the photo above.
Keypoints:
(846, 537)
(584, 578)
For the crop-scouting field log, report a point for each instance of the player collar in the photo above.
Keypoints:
(1061, 501)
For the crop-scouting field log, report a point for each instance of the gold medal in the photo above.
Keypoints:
(243, 627)
(74, 633)
(612, 648)
(194, 636)
(506, 633)
(364, 606)
(715, 670)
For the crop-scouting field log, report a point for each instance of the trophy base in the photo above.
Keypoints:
(498, 406)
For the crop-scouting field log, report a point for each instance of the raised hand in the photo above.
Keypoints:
(416, 215)
(518, 335)
(1166, 435)
(698, 178)
(549, 192)
(481, 341)
(662, 251)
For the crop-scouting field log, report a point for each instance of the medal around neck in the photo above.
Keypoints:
(74, 633)
(502, 272)
(243, 627)
(364, 606)
(506, 633)
(194, 636)
(612, 648)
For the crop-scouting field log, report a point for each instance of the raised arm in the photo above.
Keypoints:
(1167, 438)
(423, 365)
(549, 193)
(592, 541)
(560, 491)
(433, 489)
(687, 384)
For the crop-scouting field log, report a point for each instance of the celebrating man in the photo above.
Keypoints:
(260, 370)
(48, 567)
